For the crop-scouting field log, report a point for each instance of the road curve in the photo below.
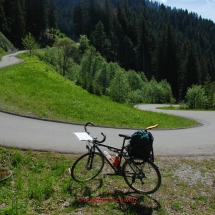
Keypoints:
(27, 133)
(10, 59)
(190, 141)
(42, 135)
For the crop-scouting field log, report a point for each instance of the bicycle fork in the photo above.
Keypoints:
(90, 161)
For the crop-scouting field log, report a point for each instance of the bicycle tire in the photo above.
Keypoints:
(81, 170)
(141, 176)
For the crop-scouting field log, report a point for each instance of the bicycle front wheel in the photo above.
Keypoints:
(142, 176)
(87, 167)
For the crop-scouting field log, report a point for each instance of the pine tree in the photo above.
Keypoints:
(172, 67)
(108, 16)
(116, 37)
(191, 75)
(52, 14)
(36, 16)
(98, 38)
(3, 20)
(6, 16)
(145, 41)
(17, 22)
(78, 20)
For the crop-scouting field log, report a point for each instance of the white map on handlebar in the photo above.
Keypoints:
(83, 136)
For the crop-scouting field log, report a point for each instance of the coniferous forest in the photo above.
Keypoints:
(140, 35)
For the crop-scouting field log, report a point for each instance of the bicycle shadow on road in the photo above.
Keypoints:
(94, 194)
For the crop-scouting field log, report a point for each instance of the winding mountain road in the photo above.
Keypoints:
(28, 133)
(10, 59)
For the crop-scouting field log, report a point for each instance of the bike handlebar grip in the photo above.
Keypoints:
(103, 138)
(85, 127)
(89, 123)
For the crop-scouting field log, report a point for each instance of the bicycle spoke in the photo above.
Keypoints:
(87, 167)
(142, 176)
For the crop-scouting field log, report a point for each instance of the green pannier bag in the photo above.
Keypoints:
(141, 145)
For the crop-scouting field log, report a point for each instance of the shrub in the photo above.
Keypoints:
(154, 92)
(29, 43)
(119, 87)
(134, 80)
(135, 97)
(195, 97)
(209, 88)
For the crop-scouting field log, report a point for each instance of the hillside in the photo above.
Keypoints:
(5, 44)
(139, 35)
(146, 36)
(33, 88)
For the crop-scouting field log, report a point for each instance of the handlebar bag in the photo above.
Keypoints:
(141, 145)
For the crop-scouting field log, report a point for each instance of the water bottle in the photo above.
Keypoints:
(116, 161)
(108, 156)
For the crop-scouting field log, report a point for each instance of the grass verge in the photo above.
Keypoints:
(181, 107)
(41, 184)
(32, 88)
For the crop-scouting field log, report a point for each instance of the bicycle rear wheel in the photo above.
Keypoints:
(141, 176)
(87, 167)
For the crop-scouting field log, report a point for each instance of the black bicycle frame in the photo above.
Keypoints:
(119, 151)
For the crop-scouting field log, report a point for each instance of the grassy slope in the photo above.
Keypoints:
(33, 88)
(2, 52)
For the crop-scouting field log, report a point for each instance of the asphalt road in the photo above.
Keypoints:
(10, 59)
(27, 133)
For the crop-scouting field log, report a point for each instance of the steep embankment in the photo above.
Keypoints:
(5, 44)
